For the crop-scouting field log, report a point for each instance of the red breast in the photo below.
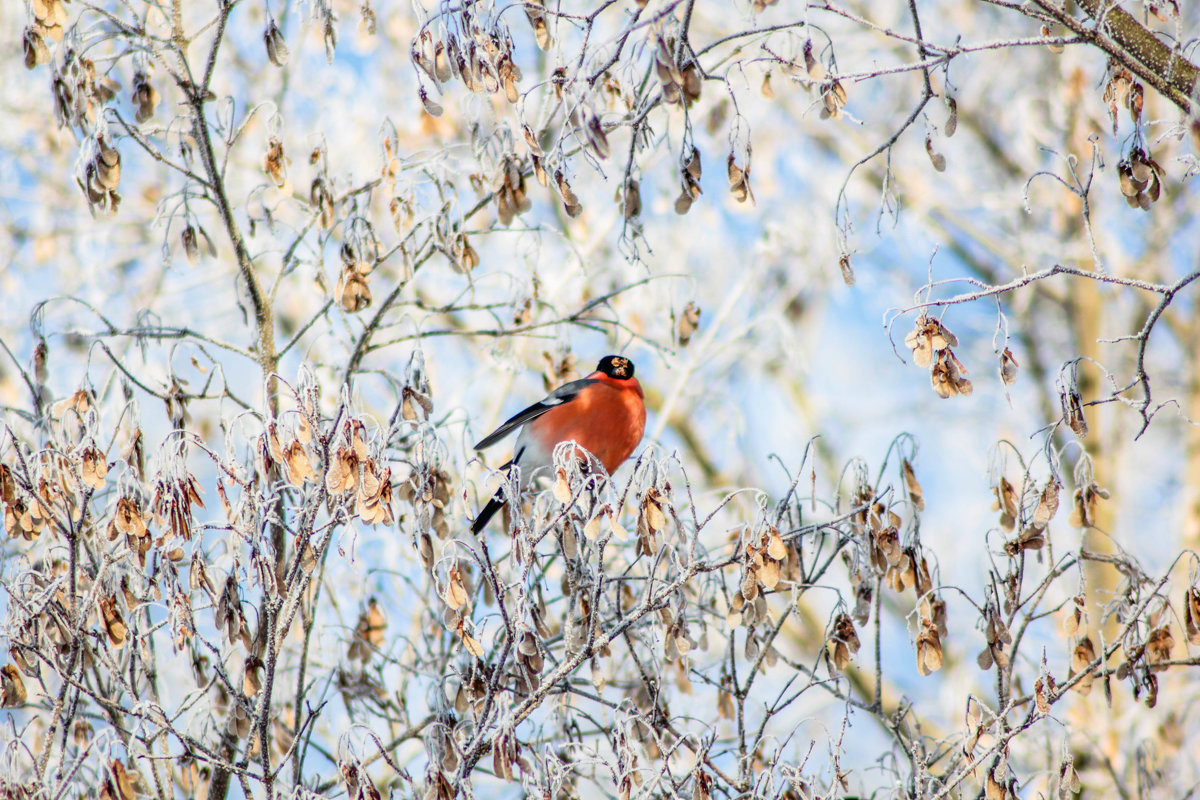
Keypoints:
(608, 419)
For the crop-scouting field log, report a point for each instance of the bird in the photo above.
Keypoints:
(604, 414)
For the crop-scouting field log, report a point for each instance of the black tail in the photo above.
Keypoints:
(489, 511)
(497, 502)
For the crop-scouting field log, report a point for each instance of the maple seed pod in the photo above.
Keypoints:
(432, 108)
(1081, 659)
(937, 159)
(683, 203)
(277, 49)
(1072, 407)
(929, 650)
(844, 265)
(535, 148)
(952, 123)
(946, 375)
(464, 258)
(441, 64)
(108, 165)
(691, 84)
(190, 246)
(596, 138)
(275, 163)
(353, 292)
(570, 200)
(915, 493)
(834, 98)
(508, 75)
(816, 70)
(1191, 615)
(49, 13)
(1053, 48)
(739, 180)
(145, 96)
(689, 322)
(631, 205)
(321, 199)
(1135, 102)
(12, 687)
(1008, 367)
(693, 168)
(35, 49)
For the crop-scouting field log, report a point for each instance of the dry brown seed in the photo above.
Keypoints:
(35, 49)
(816, 70)
(1081, 659)
(562, 487)
(94, 469)
(919, 343)
(473, 646)
(465, 258)
(691, 83)
(689, 322)
(81, 732)
(1129, 185)
(1008, 367)
(570, 201)
(683, 203)
(432, 108)
(275, 162)
(1047, 503)
(1032, 537)
(652, 509)
(252, 679)
(845, 632)
(299, 467)
(840, 654)
(455, 593)
(441, 63)
(951, 123)
(108, 165)
(1006, 503)
(1158, 648)
(12, 687)
(1074, 618)
(114, 624)
(739, 180)
(767, 91)
(1191, 614)
(372, 624)
(1042, 689)
(1135, 102)
(126, 781)
(342, 475)
(596, 138)
(422, 53)
(8, 486)
(937, 159)
(915, 493)
(847, 270)
(631, 205)
(1155, 189)
(145, 96)
(535, 148)
(353, 291)
(277, 49)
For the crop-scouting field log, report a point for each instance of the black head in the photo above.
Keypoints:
(617, 367)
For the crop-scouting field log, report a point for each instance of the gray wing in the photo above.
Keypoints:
(563, 394)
